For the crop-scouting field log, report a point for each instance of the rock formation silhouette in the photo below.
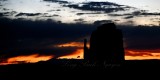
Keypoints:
(106, 45)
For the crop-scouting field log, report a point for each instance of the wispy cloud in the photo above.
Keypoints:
(3, 14)
(28, 14)
(107, 7)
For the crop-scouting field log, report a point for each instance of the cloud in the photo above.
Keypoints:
(88, 13)
(52, 51)
(55, 15)
(58, 1)
(107, 7)
(135, 53)
(5, 9)
(141, 37)
(25, 37)
(128, 17)
(99, 22)
(116, 14)
(26, 59)
(142, 54)
(2, 14)
(50, 10)
(2, 1)
(79, 20)
(135, 13)
(146, 14)
(28, 14)
(32, 34)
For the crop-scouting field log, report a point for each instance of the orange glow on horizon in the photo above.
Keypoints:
(142, 54)
(78, 54)
(129, 55)
(27, 59)
(72, 44)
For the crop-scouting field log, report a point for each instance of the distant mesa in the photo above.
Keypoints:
(106, 45)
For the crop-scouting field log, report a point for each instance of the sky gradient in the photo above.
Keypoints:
(39, 30)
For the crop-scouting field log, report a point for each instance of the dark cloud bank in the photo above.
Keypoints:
(24, 37)
(142, 37)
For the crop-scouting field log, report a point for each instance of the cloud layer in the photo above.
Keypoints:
(25, 37)
(107, 7)
(142, 37)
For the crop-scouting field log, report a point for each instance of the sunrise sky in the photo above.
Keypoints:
(38, 30)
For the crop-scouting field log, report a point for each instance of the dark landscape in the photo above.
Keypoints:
(78, 66)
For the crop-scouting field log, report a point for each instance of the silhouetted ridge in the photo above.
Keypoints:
(106, 45)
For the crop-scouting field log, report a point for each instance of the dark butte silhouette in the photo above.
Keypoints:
(106, 45)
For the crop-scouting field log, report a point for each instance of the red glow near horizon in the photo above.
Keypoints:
(78, 54)
(129, 55)
(142, 54)
(27, 59)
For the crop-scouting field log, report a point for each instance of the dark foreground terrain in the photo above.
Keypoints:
(76, 67)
